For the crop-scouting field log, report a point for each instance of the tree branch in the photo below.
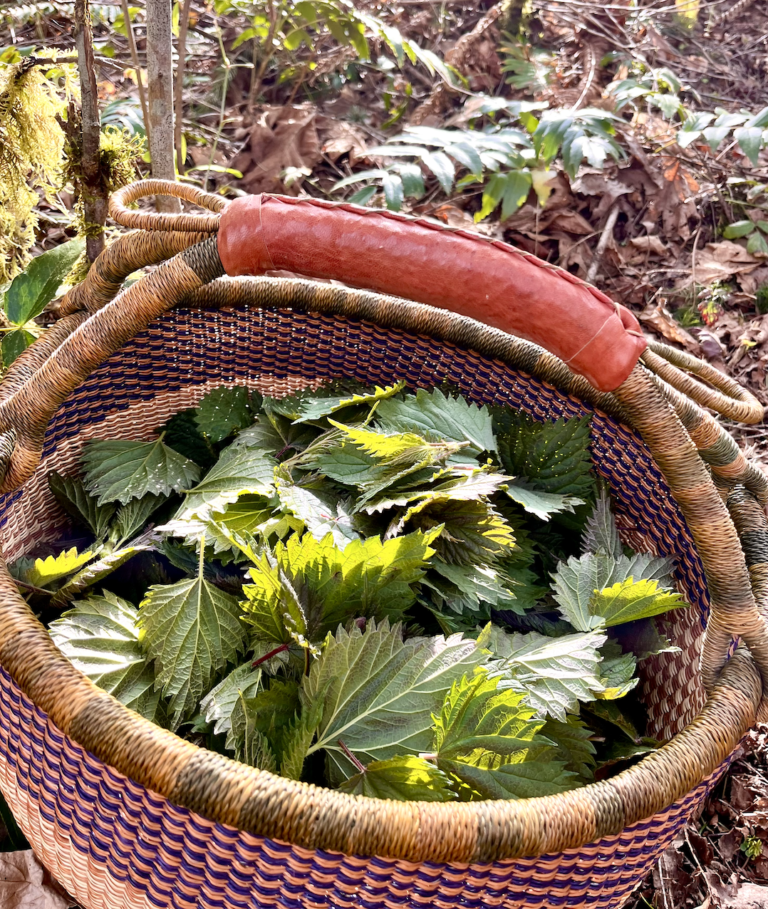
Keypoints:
(160, 97)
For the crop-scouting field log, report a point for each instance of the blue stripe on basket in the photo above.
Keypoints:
(177, 859)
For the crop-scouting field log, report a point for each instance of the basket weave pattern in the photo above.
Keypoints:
(90, 815)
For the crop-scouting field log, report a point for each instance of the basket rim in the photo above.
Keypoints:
(265, 804)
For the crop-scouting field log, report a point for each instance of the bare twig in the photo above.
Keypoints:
(136, 65)
(179, 86)
(605, 236)
(91, 188)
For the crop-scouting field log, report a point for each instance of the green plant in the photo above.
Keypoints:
(284, 26)
(503, 157)
(661, 89)
(761, 299)
(752, 847)
(529, 68)
(753, 232)
(30, 292)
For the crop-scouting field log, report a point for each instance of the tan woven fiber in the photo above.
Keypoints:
(726, 396)
(309, 816)
(149, 220)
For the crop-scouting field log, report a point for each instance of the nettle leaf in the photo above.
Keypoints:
(298, 738)
(435, 416)
(379, 692)
(465, 588)
(314, 407)
(95, 572)
(182, 435)
(80, 505)
(251, 746)
(601, 535)
(617, 672)
(321, 513)
(553, 457)
(217, 706)
(487, 738)
(470, 532)
(273, 711)
(403, 778)
(118, 471)
(477, 483)
(643, 639)
(554, 673)
(100, 637)
(574, 748)
(224, 411)
(191, 630)
(308, 587)
(577, 582)
(240, 470)
(541, 504)
(133, 516)
(630, 600)
(245, 515)
(346, 464)
(45, 572)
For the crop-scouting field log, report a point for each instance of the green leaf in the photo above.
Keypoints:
(251, 745)
(518, 185)
(191, 630)
(601, 535)
(118, 471)
(315, 407)
(554, 673)
(94, 573)
(14, 344)
(553, 456)
(133, 516)
(346, 464)
(577, 581)
(402, 778)
(217, 706)
(442, 167)
(319, 513)
(465, 588)
(182, 435)
(379, 692)
(750, 139)
(486, 736)
(99, 636)
(45, 572)
(435, 416)
(308, 587)
(32, 290)
(470, 531)
(492, 196)
(738, 229)
(617, 673)
(643, 639)
(714, 136)
(224, 411)
(240, 470)
(757, 246)
(574, 747)
(630, 600)
(79, 505)
(541, 504)
(393, 190)
(298, 738)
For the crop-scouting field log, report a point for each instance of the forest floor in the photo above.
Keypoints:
(647, 228)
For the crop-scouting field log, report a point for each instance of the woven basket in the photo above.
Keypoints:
(126, 815)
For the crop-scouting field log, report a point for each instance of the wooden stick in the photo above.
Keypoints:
(136, 65)
(605, 236)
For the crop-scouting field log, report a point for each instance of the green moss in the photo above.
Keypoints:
(761, 299)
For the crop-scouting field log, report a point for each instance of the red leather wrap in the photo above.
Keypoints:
(451, 269)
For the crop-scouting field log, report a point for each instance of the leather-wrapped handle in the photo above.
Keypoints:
(486, 280)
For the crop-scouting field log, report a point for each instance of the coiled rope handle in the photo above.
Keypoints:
(455, 270)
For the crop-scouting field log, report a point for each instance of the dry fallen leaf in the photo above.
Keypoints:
(26, 884)
(660, 319)
(342, 138)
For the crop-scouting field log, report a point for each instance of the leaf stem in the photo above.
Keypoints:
(268, 656)
(360, 766)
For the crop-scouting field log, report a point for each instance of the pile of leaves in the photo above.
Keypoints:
(352, 587)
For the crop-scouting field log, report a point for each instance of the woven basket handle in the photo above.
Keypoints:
(488, 281)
